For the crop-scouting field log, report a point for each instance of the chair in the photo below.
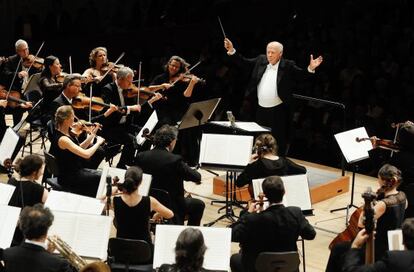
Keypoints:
(277, 261)
(53, 169)
(129, 255)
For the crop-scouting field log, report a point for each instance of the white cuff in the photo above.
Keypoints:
(311, 71)
(232, 52)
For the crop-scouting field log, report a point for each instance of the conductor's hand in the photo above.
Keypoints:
(314, 63)
(228, 45)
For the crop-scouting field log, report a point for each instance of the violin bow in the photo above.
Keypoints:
(115, 63)
(37, 53)
(397, 128)
(14, 77)
(187, 72)
(139, 80)
(70, 64)
(221, 26)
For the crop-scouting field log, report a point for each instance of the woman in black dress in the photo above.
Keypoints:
(265, 162)
(133, 211)
(28, 192)
(70, 155)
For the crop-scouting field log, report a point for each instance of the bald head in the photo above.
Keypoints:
(274, 51)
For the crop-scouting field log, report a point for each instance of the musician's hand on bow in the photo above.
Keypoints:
(26, 105)
(112, 108)
(22, 74)
(155, 97)
(3, 103)
(166, 86)
(135, 108)
(157, 217)
(99, 140)
(314, 63)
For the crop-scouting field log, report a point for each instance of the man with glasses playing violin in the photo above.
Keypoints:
(117, 126)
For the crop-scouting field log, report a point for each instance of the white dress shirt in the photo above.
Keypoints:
(267, 88)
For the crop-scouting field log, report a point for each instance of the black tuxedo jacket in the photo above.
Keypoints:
(288, 76)
(9, 70)
(393, 261)
(110, 95)
(168, 173)
(33, 258)
(276, 229)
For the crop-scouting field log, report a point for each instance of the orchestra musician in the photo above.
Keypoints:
(117, 126)
(70, 155)
(3, 126)
(388, 213)
(34, 254)
(98, 61)
(276, 229)
(20, 62)
(28, 191)
(265, 162)
(49, 83)
(132, 211)
(169, 172)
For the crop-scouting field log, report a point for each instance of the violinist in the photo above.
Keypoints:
(266, 162)
(117, 126)
(99, 65)
(276, 229)
(70, 155)
(3, 126)
(48, 83)
(20, 63)
(388, 212)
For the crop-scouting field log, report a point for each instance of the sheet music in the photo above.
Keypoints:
(226, 149)
(143, 188)
(6, 192)
(296, 191)
(247, 126)
(150, 124)
(352, 150)
(8, 145)
(87, 234)
(68, 202)
(217, 240)
(395, 240)
(9, 216)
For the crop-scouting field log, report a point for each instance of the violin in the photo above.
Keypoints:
(184, 77)
(13, 98)
(144, 92)
(381, 143)
(82, 102)
(61, 77)
(9, 166)
(110, 66)
(83, 126)
(34, 61)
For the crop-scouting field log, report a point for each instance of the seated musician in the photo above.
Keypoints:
(3, 126)
(168, 172)
(189, 253)
(133, 211)
(117, 126)
(99, 66)
(33, 254)
(275, 229)
(389, 215)
(70, 155)
(396, 260)
(28, 191)
(20, 65)
(48, 82)
(265, 162)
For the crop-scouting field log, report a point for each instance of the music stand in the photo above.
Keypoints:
(198, 113)
(354, 151)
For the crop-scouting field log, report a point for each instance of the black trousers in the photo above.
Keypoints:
(279, 120)
(119, 135)
(193, 208)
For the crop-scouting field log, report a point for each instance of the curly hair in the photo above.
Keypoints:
(35, 221)
(183, 64)
(189, 250)
(94, 53)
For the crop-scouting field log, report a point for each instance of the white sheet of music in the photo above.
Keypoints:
(150, 125)
(68, 202)
(8, 144)
(143, 188)
(247, 126)
(87, 234)
(9, 216)
(6, 192)
(226, 149)
(217, 240)
(296, 191)
(352, 150)
(395, 240)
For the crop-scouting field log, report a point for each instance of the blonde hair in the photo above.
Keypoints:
(265, 144)
(62, 114)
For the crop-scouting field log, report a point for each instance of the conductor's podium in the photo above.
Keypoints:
(323, 184)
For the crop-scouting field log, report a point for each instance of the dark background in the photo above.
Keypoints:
(367, 48)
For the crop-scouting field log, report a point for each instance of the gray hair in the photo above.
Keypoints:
(124, 71)
(69, 79)
(275, 44)
(20, 43)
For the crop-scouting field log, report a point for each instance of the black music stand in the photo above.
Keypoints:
(198, 113)
(354, 151)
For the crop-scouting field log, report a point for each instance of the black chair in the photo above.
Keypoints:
(277, 261)
(129, 255)
(53, 169)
